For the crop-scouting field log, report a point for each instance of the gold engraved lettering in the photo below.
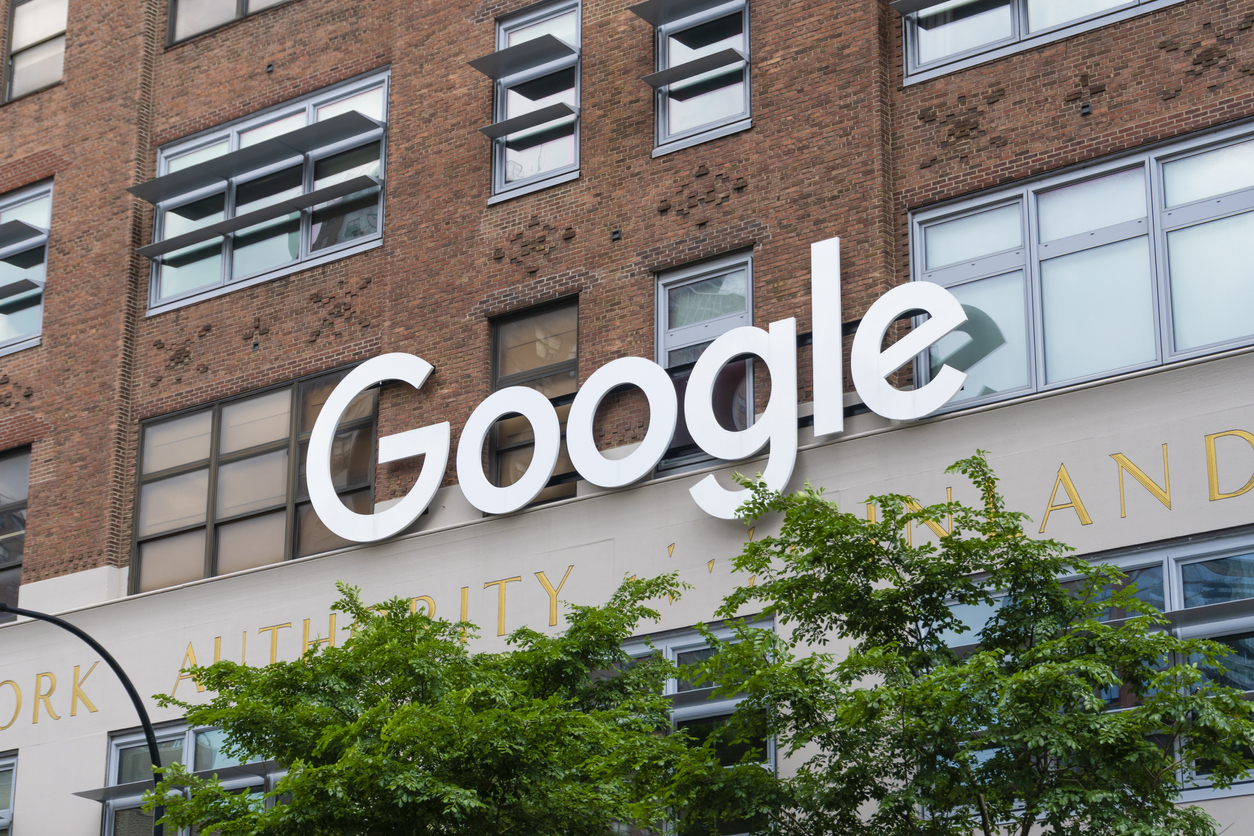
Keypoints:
(500, 606)
(1064, 479)
(870, 513)
(243, 648)
(76, 691)
(465, 609)
(189, 661)
(1162, 494)
(548, 587)
(17, 709)
(274, 639)
(1212, 466)
(217, 649)
(426, 599)
(44, 698)
(305, 643)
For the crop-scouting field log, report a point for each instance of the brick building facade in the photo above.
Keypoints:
(848, 127)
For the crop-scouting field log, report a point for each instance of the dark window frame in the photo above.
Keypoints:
(9, 54)
(13, 507)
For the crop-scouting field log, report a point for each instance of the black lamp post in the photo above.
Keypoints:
(149, 734)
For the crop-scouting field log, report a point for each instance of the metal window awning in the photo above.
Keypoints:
(527, 55)
(276, 210)
(103, 794)
(701, 65)
(528, 120)
(296, 143)
(662, 12)
(17, 232)
(905, 7)
(243, 775)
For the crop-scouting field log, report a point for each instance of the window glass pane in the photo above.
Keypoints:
(513, 465)
(1216, 581)
(369, 103)
(528, 344)
(1093, 204)
(258, 5)
(730, 398)
(21, 316)
(1212, 173)
(10, 580)
(132, 822)
(1212, 281)
(272, 129)
(714, 95)
(181, 441)
(992, 345)
(355, 215)
(192, 16)
(352, 452)
(34, 212)
(12, 536)
(561, 26)
(252, 484)
(518, 429)
(6, 789)
(729, 754)
(256, 421)
(195, 157)
(1098, 310)
(707, 299)
(1239, 666)
(22, 276)
(692, 657)
(312, 537)
(273, 242)
(546, 147)
(199, 265)
(173, 503)
(973, 236)
(256, 541)
(37, 20)
(37, 67)
(1044, 14)
(209, 754)
(314, 394)
(171, 561)
(1149, 591)
(973, 616)
(960, 25)
(135, 765)
(14, 478)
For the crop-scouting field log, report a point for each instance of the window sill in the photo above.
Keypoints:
(287, 270)
(538, 185)
(705, 136)
(1031, 42)
(20, 345)
(43, 89)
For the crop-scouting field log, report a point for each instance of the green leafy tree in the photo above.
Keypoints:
(403, 730)
(898, 735)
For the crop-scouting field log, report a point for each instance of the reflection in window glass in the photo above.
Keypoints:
(562, 26)
(1046, 14)
(272, 129)
(961, 25)
(1210, 173)
(981, 234)
(194, 16)
(1212, 281)
(352, 216)
(1093, 204)
(712, 96)
(1217, 581)
(972, 616)
(1148, 581)
(252, 542)
(173, 503)
(992, 345)
(545, 147)
(1079, 292)
(134, 764)
(1239, 665)
(705, 300)
(531, 342)
(198, 265)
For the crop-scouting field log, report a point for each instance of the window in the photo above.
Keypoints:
(695, 305)
(540, 350)
(1126, 265)
(36, 45)
(129, 773)
(223, 489)
(945, 35)
(702, 83)
(24, 219)
(8, 777)
(698, 712)
(294, 186)
(535, 73)
(191, 17)
(14, 483)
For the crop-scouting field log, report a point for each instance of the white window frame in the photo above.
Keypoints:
(670, 339)
(8, 763)
(1028, 256)
(1019, 41)
(501, 190)
(230, 132)
(9, 201)
(665, 141)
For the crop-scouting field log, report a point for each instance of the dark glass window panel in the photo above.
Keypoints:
(10, 580)
(1217, 581)
(315, 393)
(530, 343)
(731, 404)
(274, 242)
(1239, 666)
(14, 478)
(132, 822)
(12, 536)
(312, 537)
(712, 33)
(352, 452)
(513, 465)
(1149, 590)
(21, 316)
(22, 272)
(692, 657)
(517, 429)
(709, 299)
(729, 753)
(355, 215)
(135, 765)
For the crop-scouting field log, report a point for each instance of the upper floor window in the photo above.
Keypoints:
(535, 73)
(540, 350)
(223, 488)
(1124, 265)
(297, 185)
(951, 34)
(694, 306)
(24, 219)
(8, 775)
(191, 17)
(36, 45)
(701, 85)
(14, 486)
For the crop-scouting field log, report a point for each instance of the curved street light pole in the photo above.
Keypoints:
(149, 734)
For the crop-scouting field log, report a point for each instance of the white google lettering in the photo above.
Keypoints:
(775, 346)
